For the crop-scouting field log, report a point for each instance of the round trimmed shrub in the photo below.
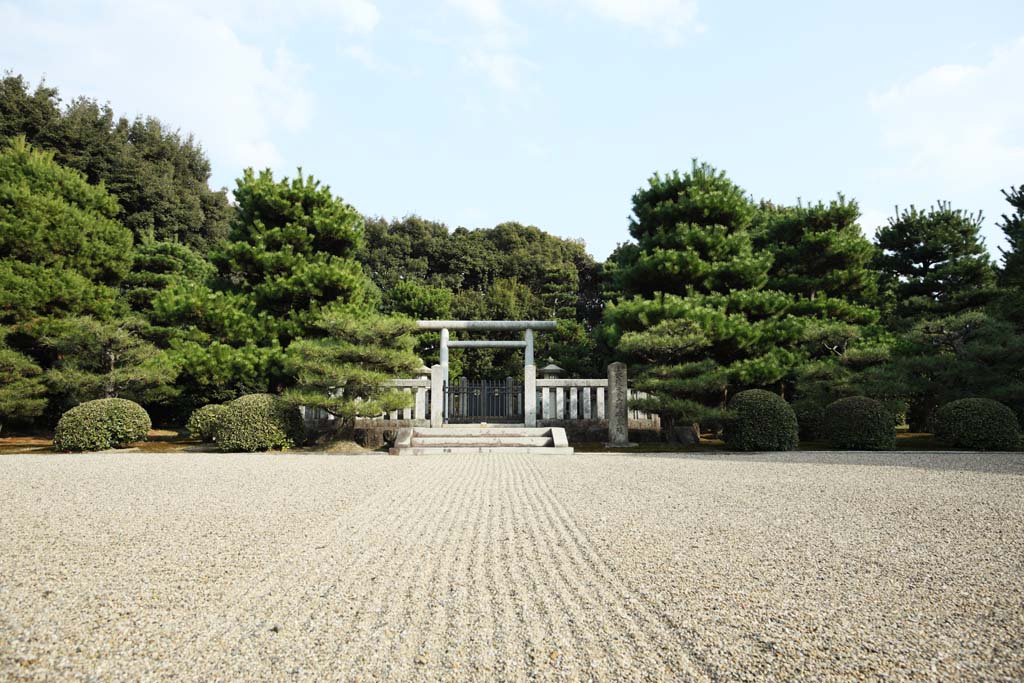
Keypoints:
(860, 423)
(810, 417)
(761, 421)
(101, 424)
(202, 423)
(258, 422)
(979, 424)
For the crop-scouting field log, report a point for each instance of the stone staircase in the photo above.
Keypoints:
(481, 439)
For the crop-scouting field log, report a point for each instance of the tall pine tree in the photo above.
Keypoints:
(693, 317)
(1012, 272)
(934, 263)
(824, 261)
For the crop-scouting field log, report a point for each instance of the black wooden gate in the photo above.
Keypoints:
(484, 400)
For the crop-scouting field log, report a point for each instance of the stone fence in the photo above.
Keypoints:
(583, 406)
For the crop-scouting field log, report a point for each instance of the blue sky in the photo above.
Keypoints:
(553, 112)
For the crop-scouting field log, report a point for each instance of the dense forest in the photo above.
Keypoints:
(124, 275)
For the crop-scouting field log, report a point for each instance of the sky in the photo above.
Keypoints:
(554, 112)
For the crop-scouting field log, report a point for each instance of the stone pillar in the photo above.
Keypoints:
(437, 375)
(617, 407)
(528, 355)
(444, 347)
(530, 395)
(443, 359)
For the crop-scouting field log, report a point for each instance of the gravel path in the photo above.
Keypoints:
(590, 567)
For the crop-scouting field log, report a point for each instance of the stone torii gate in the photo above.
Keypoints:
(439, 373)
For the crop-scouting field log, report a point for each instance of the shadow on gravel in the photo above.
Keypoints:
(963, 461)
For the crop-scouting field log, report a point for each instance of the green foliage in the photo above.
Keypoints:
(158, 266)
(345, 369)
(959, 356)
(22, 391)
(810, 418)
(859, 423)
(760, 421)
(258, 422)
(1012, 273)
(819, 251)
(91, 359)
(290, 252)
(203, 422)
(978, 424)
(61, 251)
(693, 317)
(158, 176)
(934, 262)
(101, 424)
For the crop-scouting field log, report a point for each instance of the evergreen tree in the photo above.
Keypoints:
(345, 368)
(22, 392)
(970, 354)
(289, 260)
(159, 177)
(158, 265)
(694, 318)
(819, 251)
(934, 263)
(91, 359)
(61, 250)
(292, 251)
(1012, 225)
(821, 258)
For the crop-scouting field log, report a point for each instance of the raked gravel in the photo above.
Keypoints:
(279, 567)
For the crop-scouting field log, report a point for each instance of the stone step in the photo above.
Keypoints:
(468, 440)
(477, 430)
(480, 440)
(484, 450)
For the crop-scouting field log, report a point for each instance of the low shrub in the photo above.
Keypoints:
(860, 423)
(258, 422)
(979, 424)
(202, 423)
(810, 417)
(101, 424)
(760, 421)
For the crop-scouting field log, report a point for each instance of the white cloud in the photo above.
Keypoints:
(959, 124)
(505, 70)
(669, 18)
(180, 61)
(491, 48)
(482, 11)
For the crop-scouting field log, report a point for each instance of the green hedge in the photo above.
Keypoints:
(979, 424)
(810, 416)
(101, 424)
(860, 423)
(258, 422)
(761, 421)
(202, 423)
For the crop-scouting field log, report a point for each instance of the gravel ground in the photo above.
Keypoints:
(812, 566)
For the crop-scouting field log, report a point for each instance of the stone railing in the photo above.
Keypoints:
(580, 399)
(552, 401)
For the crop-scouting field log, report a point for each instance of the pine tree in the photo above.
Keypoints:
(821, 257)
(158, 265)
(292, 251)
(694, 318)
(22, 392)
(61, 250)
(92, 359)
(958, 356)
(345, 368)
(819, 251)
(1012, 225)
(934, 263)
